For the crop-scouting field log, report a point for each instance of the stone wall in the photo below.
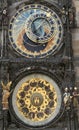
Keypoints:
(76, 4)
(75, 43)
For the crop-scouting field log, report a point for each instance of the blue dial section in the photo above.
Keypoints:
(35, 31)
(37, 27)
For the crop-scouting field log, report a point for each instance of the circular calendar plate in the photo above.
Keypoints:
(36, 100)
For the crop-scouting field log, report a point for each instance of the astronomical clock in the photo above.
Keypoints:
(36, 62)
(35, 31)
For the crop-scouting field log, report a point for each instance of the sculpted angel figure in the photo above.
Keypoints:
(6, 94)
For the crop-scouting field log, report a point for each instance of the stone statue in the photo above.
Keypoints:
(6, 94)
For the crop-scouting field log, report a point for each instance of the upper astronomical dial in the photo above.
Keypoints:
(35, 31)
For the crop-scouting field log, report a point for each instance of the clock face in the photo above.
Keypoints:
(35, 31)
(36, 100)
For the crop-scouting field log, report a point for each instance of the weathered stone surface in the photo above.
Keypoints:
(75, 44)
(76, 3)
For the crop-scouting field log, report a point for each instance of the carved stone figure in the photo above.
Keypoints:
(6, 94)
